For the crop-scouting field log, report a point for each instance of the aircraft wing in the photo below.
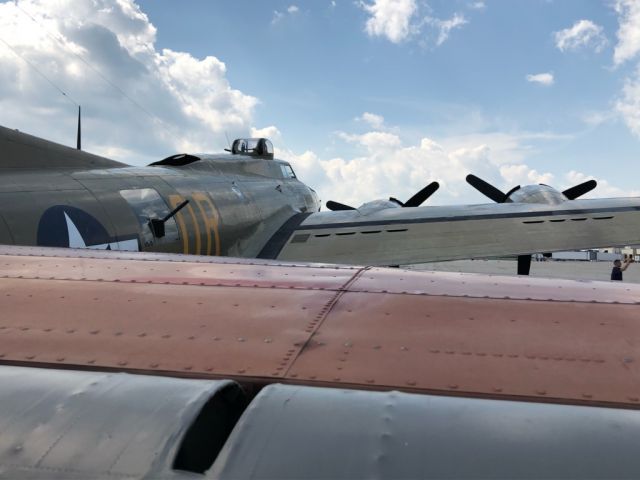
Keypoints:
(124, 365)
(256, 321)
(396, 236)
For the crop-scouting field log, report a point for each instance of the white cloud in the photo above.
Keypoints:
(374, 121)
(545, 79)
(444, 27)
(398, 20)
(520, 174)
(373, 141)
(389, 167)
(271, 132)
(389, 18)
(583, 34)
(477, 5)
(595, 118)
(397, 170)
(176, 102)
(629, 31)
(628, 105)
(603, 190)
(278, 15)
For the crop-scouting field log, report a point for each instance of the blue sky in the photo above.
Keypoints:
(366, 98)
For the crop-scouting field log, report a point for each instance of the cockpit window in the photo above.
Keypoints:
(268, 147)
(287, 171)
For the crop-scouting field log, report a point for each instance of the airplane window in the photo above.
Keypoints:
(239, 146)
(147, 204)
(259, 147)
(252, 144)
(287, 171)
(290, 173)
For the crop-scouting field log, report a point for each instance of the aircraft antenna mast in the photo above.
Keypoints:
(79, 135)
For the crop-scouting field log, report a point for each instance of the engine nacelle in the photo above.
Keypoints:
(536, 194)
(377, 205)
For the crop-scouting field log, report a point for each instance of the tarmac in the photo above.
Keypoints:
(575, 270)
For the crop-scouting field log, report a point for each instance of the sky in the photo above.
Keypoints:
(366, 98)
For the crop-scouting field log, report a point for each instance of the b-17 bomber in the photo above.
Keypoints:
(246, 203)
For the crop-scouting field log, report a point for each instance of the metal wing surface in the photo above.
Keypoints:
(391, 236)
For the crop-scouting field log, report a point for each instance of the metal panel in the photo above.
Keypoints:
(37, 183)
(310, 433)
(471, 346)
(52, 252)
(92, 266)
(5, 233)
(18, 211)
(365, 328)
(206, 320)
(60, 424)
(384, 280)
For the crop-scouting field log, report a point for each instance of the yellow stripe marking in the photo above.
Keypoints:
(207, 229)
(196, 225)
(214, 222)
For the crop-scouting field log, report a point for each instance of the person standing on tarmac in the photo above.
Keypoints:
(618, 268)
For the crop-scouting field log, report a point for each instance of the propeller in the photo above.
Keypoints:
(579, 190)
(336, 206)
(489, 190)
(420, 197)
(524, 261)
(498, 196)
(415, 201)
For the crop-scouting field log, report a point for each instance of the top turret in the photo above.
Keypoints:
(254, 147)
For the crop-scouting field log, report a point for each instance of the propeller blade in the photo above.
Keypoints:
(420, 197)
(486, 189)
(524, 264)
(579, 190)
(335, 206)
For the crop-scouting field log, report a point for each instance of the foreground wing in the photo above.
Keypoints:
(255, 322)
(522, 369)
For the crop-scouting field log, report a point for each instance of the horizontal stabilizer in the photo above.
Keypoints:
(21, 151)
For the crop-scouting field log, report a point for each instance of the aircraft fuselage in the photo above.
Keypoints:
(235, 203)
